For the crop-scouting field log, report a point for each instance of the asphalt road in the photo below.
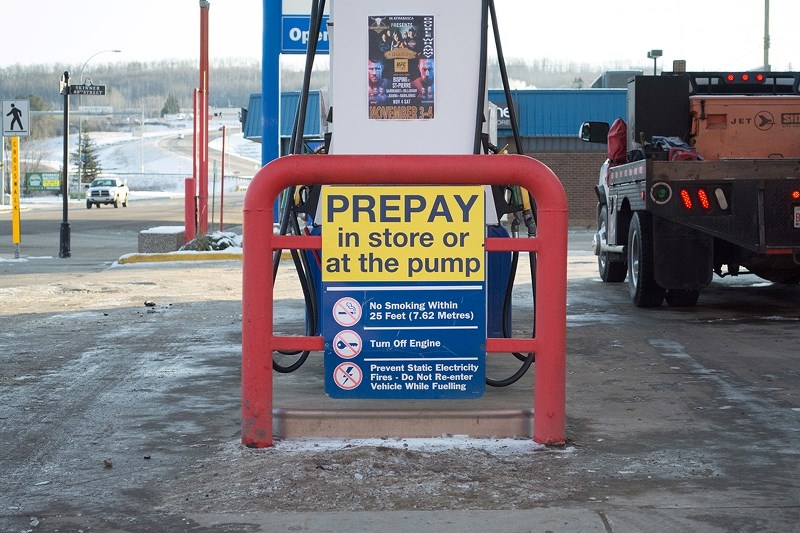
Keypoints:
(99, 236)
(119, 416)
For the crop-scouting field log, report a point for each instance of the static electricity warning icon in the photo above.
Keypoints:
(347, 376)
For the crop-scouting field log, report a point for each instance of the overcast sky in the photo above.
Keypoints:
(709, 34)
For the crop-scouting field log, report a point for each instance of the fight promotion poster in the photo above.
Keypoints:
(401, 67)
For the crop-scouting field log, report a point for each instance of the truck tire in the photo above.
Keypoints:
(682, 297)
(610, 271)
(644, 290)
(88, 204)
(116, 202)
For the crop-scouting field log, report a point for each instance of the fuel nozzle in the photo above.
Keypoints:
(527, 212)
(516, 221)
(530, 222)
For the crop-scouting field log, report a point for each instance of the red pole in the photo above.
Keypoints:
(190, 186)
(189, 215)
(195, 133)
(222, 181)
(550, 244)
(202, 212)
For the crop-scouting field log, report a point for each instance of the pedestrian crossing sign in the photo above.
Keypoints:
(16, 118)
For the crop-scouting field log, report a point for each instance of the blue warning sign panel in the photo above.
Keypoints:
(405, 342)
(404, 298)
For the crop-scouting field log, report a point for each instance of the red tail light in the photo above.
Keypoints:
(795, 195)
(703, 197)
(686, 198)
(745, 77)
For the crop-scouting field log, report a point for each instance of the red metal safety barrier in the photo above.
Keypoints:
(189, 209)
(550, 245)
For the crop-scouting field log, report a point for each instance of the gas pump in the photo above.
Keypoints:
(425, 93)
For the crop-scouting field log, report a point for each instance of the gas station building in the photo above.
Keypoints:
(548, 121)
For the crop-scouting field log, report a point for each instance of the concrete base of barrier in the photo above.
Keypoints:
(384, 423)
(161, 239)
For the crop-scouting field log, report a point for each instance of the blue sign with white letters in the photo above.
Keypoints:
(295, 35)
(405, 341)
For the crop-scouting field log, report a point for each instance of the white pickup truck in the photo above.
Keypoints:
(107, 191)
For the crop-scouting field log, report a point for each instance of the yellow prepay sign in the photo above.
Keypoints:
(402, 233)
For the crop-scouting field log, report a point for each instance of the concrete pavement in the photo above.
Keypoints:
(119, 416)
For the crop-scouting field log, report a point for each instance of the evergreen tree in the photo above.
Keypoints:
(85, 158)
(37, 103)
(171, 106)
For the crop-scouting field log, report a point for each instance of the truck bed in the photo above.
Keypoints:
(753, 203)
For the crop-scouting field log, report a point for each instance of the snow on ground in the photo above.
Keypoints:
(438, 444)
(129, 153)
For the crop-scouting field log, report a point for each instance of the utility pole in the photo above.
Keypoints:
(202, 134)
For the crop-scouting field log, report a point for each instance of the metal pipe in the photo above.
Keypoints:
(190, 187)
(550, 242)
(222, 181)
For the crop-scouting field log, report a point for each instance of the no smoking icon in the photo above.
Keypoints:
(347, 376)
(346, 311)
(347, 344)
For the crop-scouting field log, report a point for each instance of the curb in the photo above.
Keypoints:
(182, 256)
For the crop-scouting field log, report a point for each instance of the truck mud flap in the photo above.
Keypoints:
(601, 195)
(683, 257)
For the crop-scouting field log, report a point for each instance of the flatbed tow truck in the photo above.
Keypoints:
(703, 178)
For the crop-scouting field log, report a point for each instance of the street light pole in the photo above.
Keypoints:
(654, 55)
(64, 234)
(80, 118)
(80, 73)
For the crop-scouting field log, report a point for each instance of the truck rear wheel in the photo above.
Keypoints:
(644, 290)
(610, 271)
